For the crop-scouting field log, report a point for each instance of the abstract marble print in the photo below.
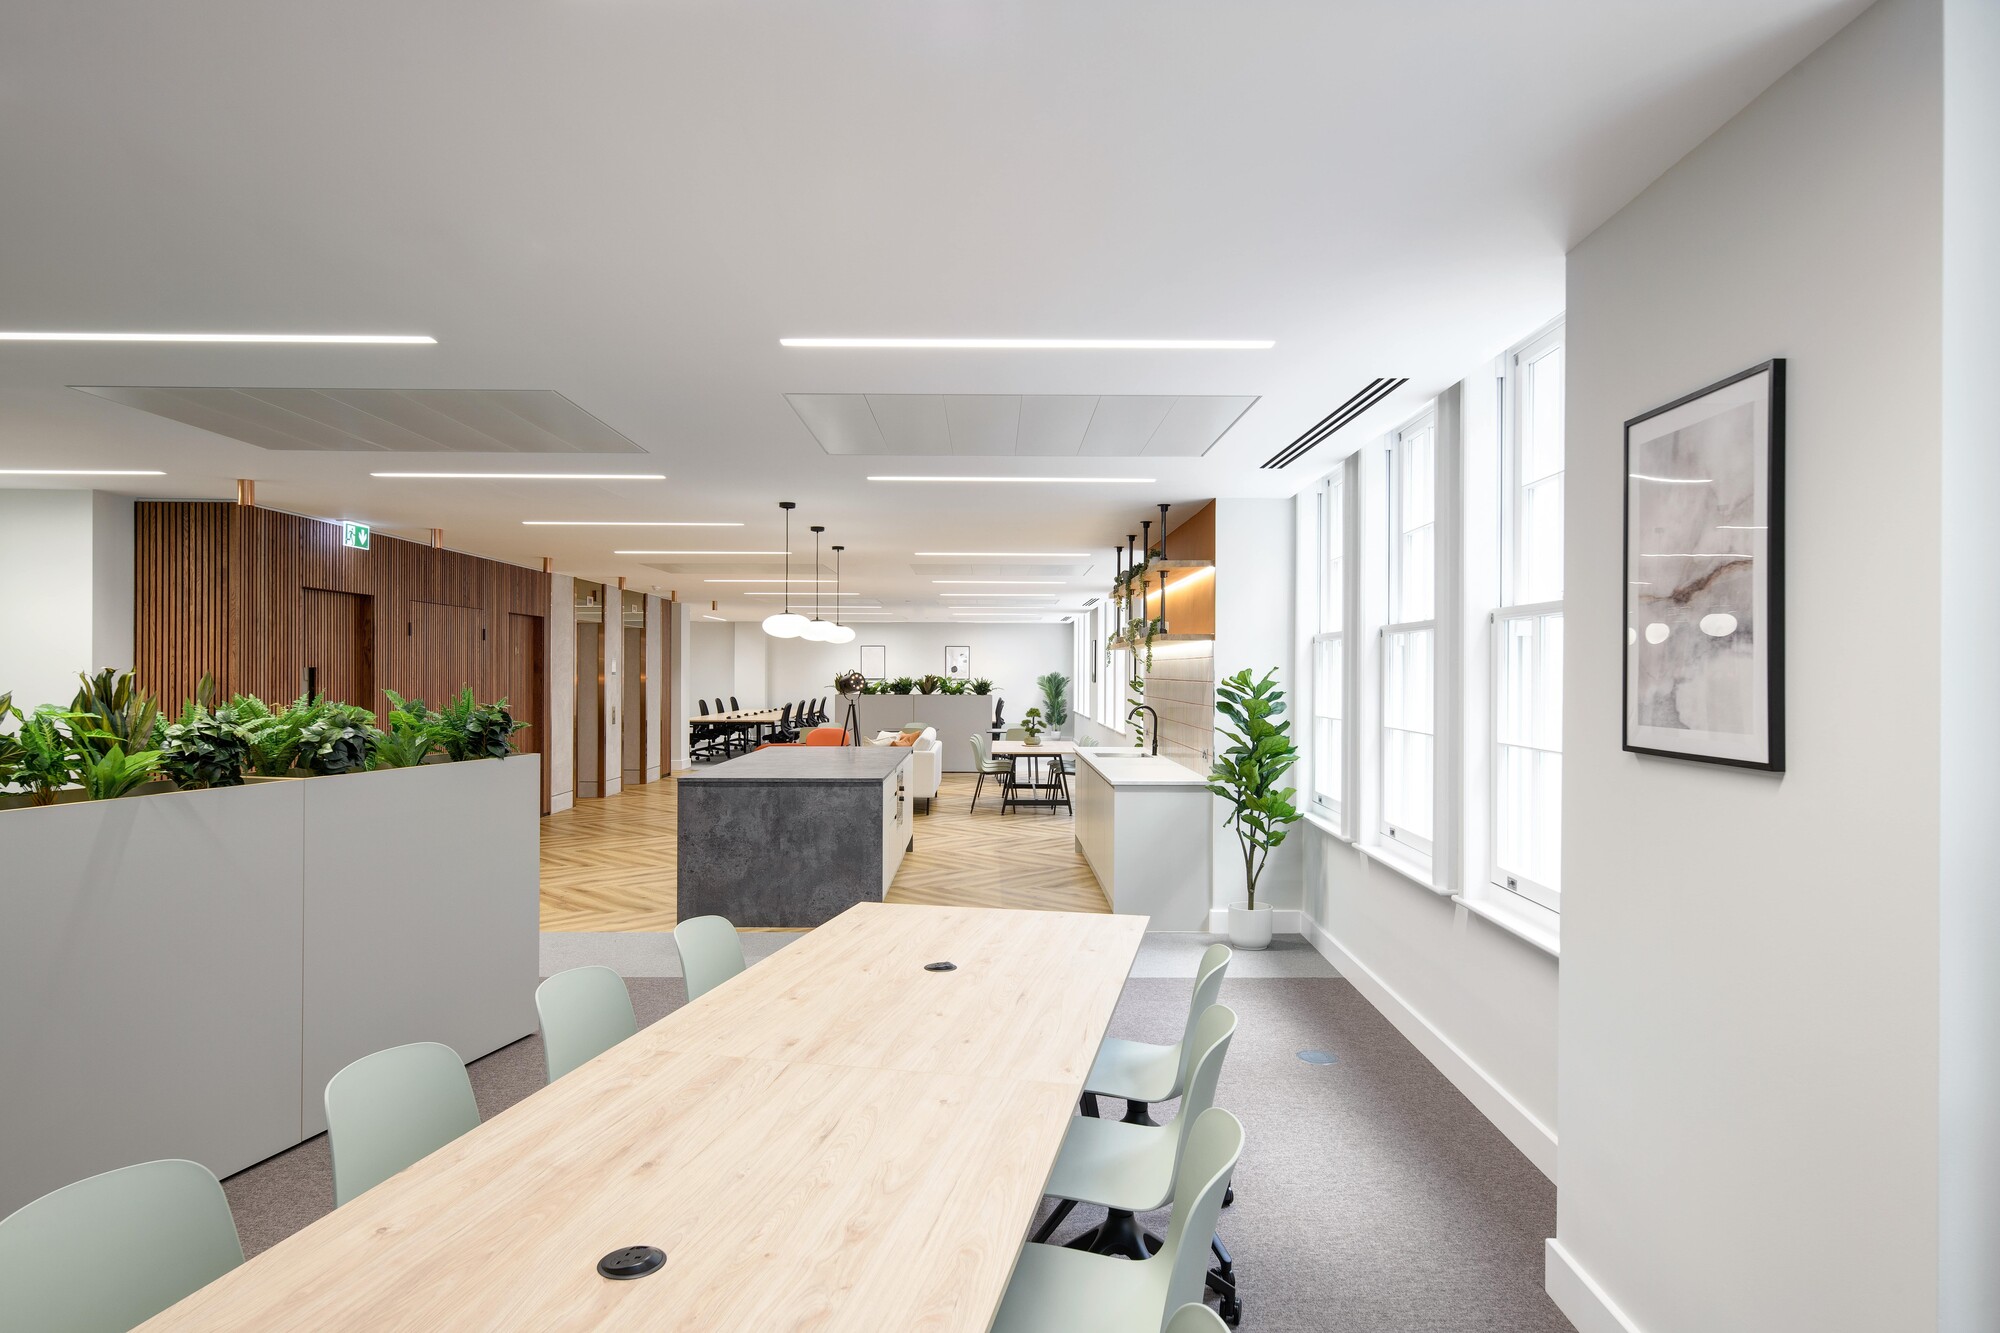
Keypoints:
(1699, 540)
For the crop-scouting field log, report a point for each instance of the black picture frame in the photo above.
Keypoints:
(1764, 751)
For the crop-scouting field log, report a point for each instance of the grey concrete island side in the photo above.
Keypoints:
(793, 835)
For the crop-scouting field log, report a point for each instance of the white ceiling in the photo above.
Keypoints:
(628, 202)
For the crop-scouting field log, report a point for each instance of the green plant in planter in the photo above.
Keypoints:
(952, 685)
(204, 749)
(1246, 774)
(333, 742)
(271, 741)
(929, 684)
(902, 685)
(1055, 702)
(111, 711)
(10, 746)
(982, 686)
(47, 758)
(110, 775)
(469, 730)
(1034, 724)
(411, 736)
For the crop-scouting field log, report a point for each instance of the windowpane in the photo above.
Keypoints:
(1528, 765)
(1333, 546)
(1536, 503)
(1414, 537)
(1328, 732)
(1407, 730)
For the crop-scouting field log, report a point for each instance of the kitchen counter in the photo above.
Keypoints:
(1135, 768)
(1144, 823)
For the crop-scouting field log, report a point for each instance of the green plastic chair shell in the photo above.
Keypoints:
(585, 1012)
(1142, 1072)
(710, 953)
(391, 1109)
(110, 1252)
(1196, 1319)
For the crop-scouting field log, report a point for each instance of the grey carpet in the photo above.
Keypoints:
(1371, 1198)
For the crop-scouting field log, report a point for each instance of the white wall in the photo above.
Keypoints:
(66, 591)
(1749, 1006)
(1012, 656)
(711, 661)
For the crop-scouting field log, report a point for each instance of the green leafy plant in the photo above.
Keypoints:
(411, 736)
(204, 749)
(112, 712)
(469, 730)
(271, 739)
(1135, 698)
(47, 759)
(110, 775)
(1247, 772)
(334, 741)
(902, 685)
(952, 685)
(929, 684)
(981, 685)
(1055, 700)
(1034, 724)
(10, 746)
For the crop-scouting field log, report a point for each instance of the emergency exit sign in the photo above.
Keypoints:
(355, 535)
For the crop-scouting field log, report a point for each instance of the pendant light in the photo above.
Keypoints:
(819, 631)
(841, 633)
(785, 625)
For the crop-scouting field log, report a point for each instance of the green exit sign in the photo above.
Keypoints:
(355, 535)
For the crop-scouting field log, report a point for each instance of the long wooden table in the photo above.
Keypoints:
(834, 1140)
(1057, 789)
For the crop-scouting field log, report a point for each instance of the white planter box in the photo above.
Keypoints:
(955, 716)
(176, 972)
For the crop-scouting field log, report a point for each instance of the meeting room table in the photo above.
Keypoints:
(846, 1136)
(1050, 795)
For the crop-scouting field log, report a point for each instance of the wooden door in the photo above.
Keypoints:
(523, 683)
(444, 651)
(337, 645)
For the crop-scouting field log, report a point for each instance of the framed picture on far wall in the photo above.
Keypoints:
(874, 661)
(1704, 574)
(958, 661)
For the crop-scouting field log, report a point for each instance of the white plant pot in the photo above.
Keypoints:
(1250, 927)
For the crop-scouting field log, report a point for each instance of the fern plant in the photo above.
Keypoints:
(1246, 774)
(47, 758)
(469, 730)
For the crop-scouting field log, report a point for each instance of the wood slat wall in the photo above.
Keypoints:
(225, 589)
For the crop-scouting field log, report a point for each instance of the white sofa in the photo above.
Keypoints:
(926, 763)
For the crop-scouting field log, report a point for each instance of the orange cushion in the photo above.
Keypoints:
(827, 736)
(908, 738)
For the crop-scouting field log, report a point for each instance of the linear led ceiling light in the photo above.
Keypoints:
(616, 523)
(1051, 481)
(1005, 555)
(76, 472)
(1041, 344)
(1008, 583)
(388, 339)
(994, 596)
(701, 553)
(525, 476)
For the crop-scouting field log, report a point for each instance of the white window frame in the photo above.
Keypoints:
(1407, 840)
(1334, 491)
(1514, 881)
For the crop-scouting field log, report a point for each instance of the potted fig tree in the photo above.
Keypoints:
(1246, 774)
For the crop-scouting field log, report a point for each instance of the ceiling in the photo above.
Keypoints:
(625, 204)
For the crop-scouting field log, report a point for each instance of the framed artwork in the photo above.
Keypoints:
(875, 661)
(958, 661)
(1704, 574)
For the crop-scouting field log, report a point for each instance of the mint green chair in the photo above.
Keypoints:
(1129, 1169)
(1141, 1072)
(585, 1012)
(1058, 1289)
(710, 953)
(1196, 1319)
(110, 1252)
(986, 766)
(394, 1108)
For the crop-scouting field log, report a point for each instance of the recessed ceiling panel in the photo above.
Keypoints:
(975, 425)
(408, 421)
(991, 570)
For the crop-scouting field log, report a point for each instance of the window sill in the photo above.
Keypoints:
(1408, 869)
(1326, 826)
(1533, 925)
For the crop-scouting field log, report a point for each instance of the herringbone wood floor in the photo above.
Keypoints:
(609, 864)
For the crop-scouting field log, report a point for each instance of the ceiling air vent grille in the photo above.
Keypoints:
(1376, 391)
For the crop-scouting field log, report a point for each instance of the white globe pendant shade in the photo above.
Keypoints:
(842, 634)
(785, 625)
(819, 631)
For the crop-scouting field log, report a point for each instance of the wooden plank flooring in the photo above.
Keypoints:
(609, 864)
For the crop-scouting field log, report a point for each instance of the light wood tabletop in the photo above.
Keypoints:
(1023, 750)
(742, 715)
(836, 1139)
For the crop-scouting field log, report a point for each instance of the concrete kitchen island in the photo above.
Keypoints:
(793, 835)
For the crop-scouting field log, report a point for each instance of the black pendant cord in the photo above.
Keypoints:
(788, 506)
(1163, 530)
(836, 584)
(818, 528)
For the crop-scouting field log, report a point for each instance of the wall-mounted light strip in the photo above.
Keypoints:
(386, 339)
(1044, 481)
(76, 472)
(1038, 344)
(523, 476)
(706, 616)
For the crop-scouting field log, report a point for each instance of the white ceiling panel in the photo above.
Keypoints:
(1052, 424)
(841, 422)
(983, 424)
(1195, 423)
(912, 423)
(1123, 423)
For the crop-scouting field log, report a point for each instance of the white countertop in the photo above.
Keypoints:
(1132, 767)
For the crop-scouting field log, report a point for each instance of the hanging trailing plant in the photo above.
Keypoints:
(1135, 698)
